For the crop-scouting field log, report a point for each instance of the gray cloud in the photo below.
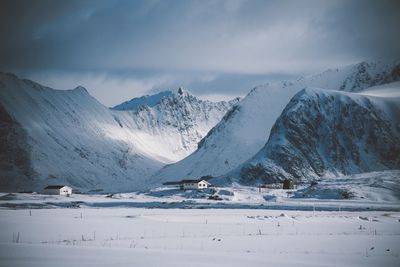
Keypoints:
(189, 40)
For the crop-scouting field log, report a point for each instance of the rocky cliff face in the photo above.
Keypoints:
(367, 74)
(182, 119)
(15, 159)
(326, 133)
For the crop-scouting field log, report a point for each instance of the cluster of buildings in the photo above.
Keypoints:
(187, 184)
(198, 184)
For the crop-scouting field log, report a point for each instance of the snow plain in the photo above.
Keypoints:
(310, 226)
(193, 237)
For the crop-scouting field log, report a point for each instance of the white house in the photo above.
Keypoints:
(194, 184)
(58, 190)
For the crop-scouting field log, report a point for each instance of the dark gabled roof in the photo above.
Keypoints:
(54, 186)
(194, 181)
(189, 181)
(185, 181)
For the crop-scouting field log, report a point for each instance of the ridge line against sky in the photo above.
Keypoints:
(217, 48)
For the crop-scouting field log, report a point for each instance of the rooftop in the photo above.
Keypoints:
(54, 186)
(185, 181)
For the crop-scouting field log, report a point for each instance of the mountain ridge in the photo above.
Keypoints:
(66, 136)
(324, 133)
(147, 100)
(245, 129)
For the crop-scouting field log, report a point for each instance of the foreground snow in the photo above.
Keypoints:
(177, 237)
(348, 221)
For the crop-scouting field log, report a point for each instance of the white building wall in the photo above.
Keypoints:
(202, 185)
(65, 191)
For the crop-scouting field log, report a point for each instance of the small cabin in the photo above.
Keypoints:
(288, 184)
(62, 190)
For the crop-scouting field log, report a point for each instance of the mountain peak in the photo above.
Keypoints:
(81, 89)
(183, 92)
(147, 100)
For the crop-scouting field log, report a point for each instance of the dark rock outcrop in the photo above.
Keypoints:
(326, 133)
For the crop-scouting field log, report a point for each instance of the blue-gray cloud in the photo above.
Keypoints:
(203, 44)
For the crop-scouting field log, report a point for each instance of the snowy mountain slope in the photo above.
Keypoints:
(386, 90)
(373, 186)
(244, 130)
(52, 136)
(355, 78)
(387, 97)
(173, 127)
(147, 100)
(68, 138)
(371, 74)
(325, 133)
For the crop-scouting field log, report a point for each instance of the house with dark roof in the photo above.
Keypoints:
(62, 190)
(190, 184)
(194, 184)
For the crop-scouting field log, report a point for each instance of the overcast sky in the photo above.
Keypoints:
(217, 49)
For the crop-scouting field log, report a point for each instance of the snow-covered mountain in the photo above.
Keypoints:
(147, 100)
(173, 127)
(244, 130)
(323, 133)
(52, 136)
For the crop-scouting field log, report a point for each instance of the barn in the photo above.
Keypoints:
(62, 190)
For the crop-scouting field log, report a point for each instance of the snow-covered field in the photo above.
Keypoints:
(197, 237)
(348, 221)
